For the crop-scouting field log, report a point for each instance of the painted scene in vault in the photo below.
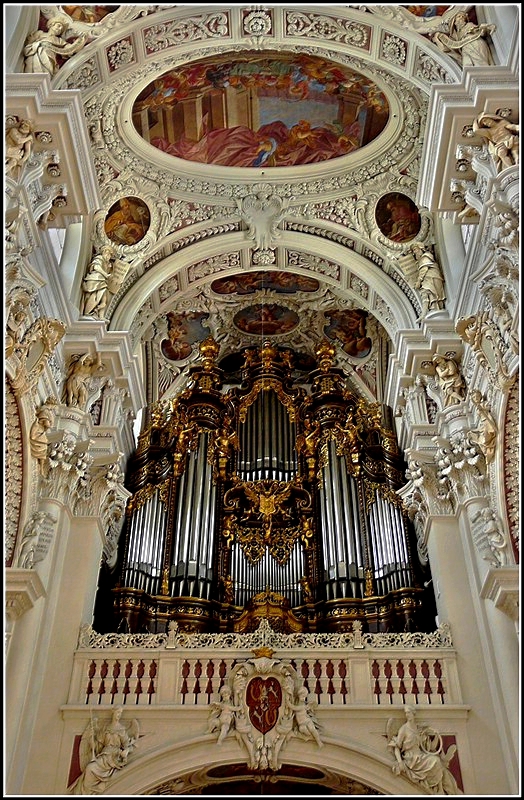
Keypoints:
(280, 282)
(88, 14)
(349, 328)
(250, 111)
(183, 331)
(266, 319)
(127, 221)
(397, 217)
(428, 12)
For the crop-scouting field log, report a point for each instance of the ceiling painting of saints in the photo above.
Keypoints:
(349, 328)
(427, 12)
(397, 217)
(248, 111)
(266, 319)
(183, 331)
(88, 14)
(249, 282)
(127, 221)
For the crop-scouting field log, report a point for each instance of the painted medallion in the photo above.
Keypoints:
(127, 221)
(397, 217)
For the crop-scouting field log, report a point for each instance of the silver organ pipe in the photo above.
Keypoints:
(145, 549)
(267, 441)
(388, 536)
(251, 579)
(193, 533)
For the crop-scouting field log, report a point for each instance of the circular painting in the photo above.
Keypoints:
(397, 217)
(249, 110)
(127, 221)
(267, 319)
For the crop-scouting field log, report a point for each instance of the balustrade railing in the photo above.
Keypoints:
(338, 669)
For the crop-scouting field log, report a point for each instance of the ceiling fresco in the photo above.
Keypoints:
(279, 110)
(266, 319)
(88, 14)
(277, 281)
(183, 331)
(349, 328)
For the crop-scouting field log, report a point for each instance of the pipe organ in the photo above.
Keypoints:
(274, 498)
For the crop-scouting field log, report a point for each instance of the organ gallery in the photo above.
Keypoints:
(278, 492)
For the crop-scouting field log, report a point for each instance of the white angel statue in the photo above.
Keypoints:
(105, 747)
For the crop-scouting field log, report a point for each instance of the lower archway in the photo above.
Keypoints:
(237, 779)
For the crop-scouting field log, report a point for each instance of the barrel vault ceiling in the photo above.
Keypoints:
(251, 244)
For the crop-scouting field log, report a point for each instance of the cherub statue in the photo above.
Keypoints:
(19, 138)
(105, 747)
(222, 714)
(304, 718)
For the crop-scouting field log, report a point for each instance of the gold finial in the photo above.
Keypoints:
(209, 350)
(268, 354)
(325, 353)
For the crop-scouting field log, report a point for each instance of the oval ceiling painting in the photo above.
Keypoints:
(267, 319)
(279, 110)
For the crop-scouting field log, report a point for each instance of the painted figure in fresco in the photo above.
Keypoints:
(349, 327)
(266, 320)
(19, 139)
(419, 755)
(128, 224)
(404, 220)
(88, 14)
(465, 41)
(42, 48)
(502, 137)
(292, 82)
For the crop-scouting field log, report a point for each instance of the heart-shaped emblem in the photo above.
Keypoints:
(264, 698)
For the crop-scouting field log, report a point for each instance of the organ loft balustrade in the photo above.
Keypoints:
(266, 492)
